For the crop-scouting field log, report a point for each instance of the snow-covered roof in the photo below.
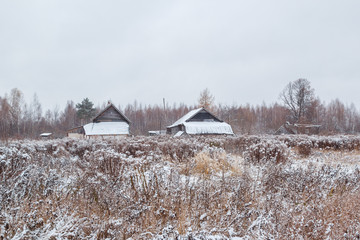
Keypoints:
(202, 127)
(186, 117)
(107, 128)
(179, 133)
(157, 132)
(45, 134)
(207, 128)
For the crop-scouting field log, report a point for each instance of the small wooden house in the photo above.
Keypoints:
(199, 122)
(109, 123)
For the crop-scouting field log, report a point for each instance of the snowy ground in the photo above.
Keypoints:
(246, 187)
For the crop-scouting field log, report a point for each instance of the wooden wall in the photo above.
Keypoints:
(203, 116)
(110, 115)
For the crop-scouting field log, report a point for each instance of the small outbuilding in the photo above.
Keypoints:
(157, 133)
(199, 122)
(297, 128)
(109, 123)
(45, 135)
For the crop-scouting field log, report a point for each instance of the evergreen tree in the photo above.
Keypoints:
(85, 110)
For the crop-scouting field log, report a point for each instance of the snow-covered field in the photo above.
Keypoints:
(245, 187)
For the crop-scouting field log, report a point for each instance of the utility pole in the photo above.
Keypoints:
(162, 116)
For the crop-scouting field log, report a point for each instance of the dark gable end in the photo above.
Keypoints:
(203, 116)
(110, 114)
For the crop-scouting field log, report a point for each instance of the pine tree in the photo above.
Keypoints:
(85, 110)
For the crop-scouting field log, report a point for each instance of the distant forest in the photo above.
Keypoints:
(297, 104)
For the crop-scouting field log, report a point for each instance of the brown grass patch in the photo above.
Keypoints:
(207, 164)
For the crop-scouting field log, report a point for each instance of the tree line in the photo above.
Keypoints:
(298, 104)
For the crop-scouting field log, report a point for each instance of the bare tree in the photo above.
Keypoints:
(36, 108)
(5, 118)
(69, 116)
(298, 97)
(16, 101)
(206, 99)
(36, 113)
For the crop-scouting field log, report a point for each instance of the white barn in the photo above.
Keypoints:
(109, 123)
(199, 122)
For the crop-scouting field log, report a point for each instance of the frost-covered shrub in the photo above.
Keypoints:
(304, 148)
(239, 144)
(267, 151)
(136, 188)
(179, 149)
(79, 147)
(206, 165)
(337, 143)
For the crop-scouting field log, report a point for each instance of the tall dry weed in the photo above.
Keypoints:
(206, 164)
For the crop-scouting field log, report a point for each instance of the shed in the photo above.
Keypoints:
(200, 122)
(76, 132)
(298, 128)
(157, 132)
(45, 135)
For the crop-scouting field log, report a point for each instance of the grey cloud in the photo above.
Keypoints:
(243, 51)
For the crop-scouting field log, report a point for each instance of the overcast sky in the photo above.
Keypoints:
(242, 51)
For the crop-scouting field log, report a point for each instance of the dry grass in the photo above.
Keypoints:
(207, 164)
(100, 190)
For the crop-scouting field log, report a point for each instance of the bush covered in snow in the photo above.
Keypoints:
(184, 188)
(267, 151)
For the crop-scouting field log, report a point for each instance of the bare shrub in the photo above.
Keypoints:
(337, 143)
(239, 144)
(304, 148)
(147, 188)
(206, 165)
(267, 151)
